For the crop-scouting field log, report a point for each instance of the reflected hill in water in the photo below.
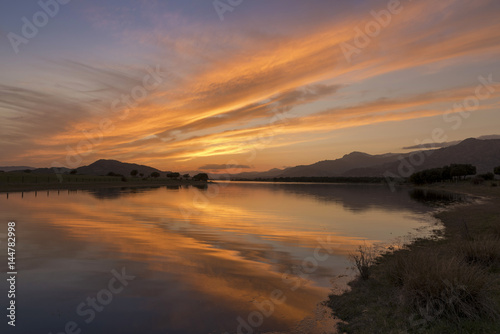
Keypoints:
(353, 197)
(363, 197)
(437, 198)
(117, 192)
(213, 258)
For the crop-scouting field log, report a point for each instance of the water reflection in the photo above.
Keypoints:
(111, 193)
(201, 257)
(437, 198)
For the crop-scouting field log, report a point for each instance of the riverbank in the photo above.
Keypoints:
(445, 284)
(88, 184)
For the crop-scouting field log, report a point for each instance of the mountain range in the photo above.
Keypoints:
(103, 166)
(482, 153)
(99, 167)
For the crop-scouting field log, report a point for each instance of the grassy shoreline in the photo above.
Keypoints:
(448, 283)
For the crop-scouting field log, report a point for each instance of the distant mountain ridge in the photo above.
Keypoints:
(103, 167)
(14, 168)
(484, 154)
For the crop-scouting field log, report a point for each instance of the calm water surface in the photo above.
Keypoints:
(203, 260)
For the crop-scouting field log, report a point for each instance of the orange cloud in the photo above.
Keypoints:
(219, 104)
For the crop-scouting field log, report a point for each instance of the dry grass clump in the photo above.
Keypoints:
(442, 285)
(494, 230)
(484, 250)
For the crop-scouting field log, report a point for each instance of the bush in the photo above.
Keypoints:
(363, 259)
(487, 176)
(173, 175)
(201, 177)
(477, 180)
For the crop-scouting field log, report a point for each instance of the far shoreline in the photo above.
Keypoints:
(28, 187)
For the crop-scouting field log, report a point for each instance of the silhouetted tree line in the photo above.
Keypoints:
(446, 173)
(201, 177)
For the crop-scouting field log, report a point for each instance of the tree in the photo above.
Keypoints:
(497, 170)
(487, 176)
(186, 176)
(442, 174)
(173, 175)
(462, 170)
(141, 175)
(73, 172)
(155, 174)
(134, 172)
(201, 177)
(430, 175)
(446, 173)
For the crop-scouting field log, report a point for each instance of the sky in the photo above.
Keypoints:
(250, 85)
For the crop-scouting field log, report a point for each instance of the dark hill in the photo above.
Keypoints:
(103, 167)
(484, 154)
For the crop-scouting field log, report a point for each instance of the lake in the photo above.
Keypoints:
(230, 257)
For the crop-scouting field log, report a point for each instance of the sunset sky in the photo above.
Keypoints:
(180, 85)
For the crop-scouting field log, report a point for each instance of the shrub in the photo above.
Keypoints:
(477, 180)
(488, 176)
(173, 175)
(201, 177)
(363, 259)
